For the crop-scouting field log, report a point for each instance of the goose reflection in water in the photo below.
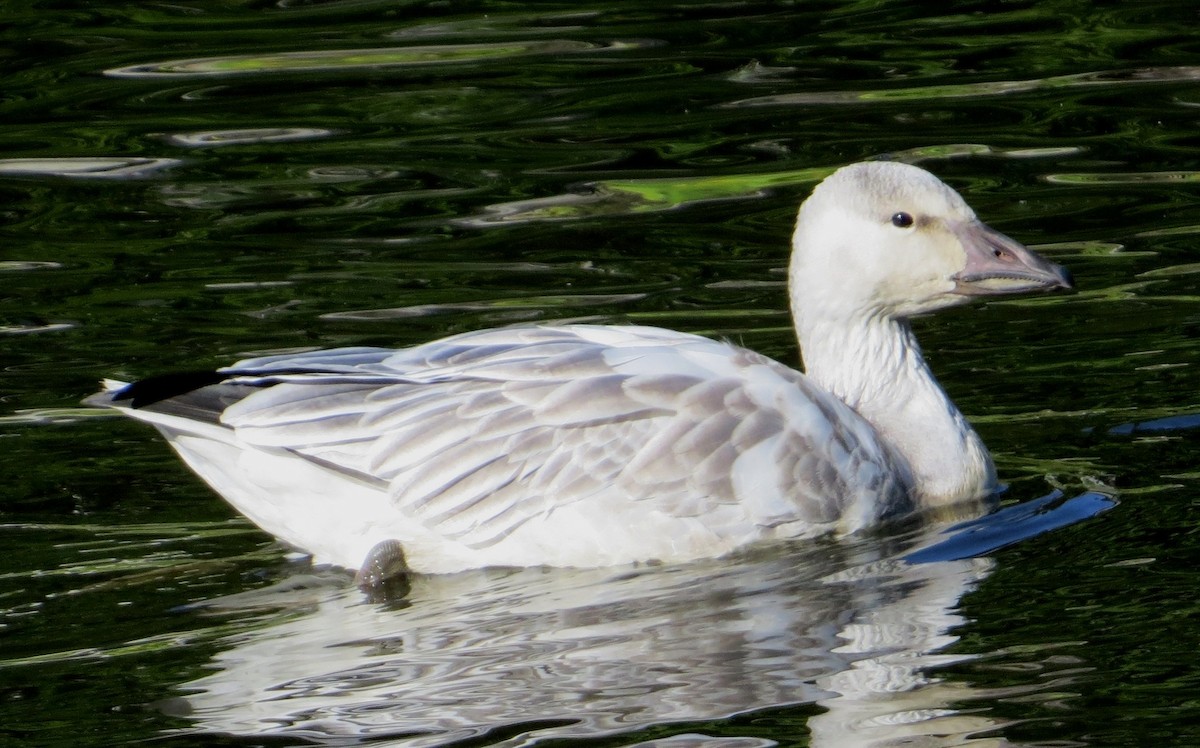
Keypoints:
(848, 633)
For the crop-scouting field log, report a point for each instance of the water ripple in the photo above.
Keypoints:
(982, 88)
(211, 138)
(629, 196)
(26, 329)
(347, 59)
(1141, 177)
(699, 740)
(500, 25)
(9, 265)
(99, 167)
(535, 304)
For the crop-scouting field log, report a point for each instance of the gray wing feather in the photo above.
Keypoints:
(477, 434)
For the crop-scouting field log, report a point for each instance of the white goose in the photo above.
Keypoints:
(587, 445)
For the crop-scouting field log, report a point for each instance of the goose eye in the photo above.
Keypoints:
(902, 220)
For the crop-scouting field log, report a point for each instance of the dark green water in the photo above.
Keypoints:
(182, 184)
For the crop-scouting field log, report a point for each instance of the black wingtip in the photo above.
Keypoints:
(155, 389)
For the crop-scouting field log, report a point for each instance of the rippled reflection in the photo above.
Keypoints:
(346, 59)
(982, 88)
(584, 654)
(212, 138)
(536, 653)
(26, 329)
(1142, 177)
(630, 196)
(92, 167)
(536, 305)
(11, 265)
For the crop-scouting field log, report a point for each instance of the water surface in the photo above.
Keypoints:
(183, 184)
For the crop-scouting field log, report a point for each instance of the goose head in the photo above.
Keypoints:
(875, 244)
(885, 239)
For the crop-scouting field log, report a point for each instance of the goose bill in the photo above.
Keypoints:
(997, 264)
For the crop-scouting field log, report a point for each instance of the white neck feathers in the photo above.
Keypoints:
(874, 364)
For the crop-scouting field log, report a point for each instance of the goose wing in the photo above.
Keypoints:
(476, 434)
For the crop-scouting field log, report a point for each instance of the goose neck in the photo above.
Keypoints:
(875, 365)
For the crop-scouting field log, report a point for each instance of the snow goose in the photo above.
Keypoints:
(582, 445)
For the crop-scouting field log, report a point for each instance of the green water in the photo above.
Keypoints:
(183, 184)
